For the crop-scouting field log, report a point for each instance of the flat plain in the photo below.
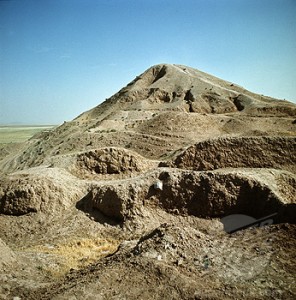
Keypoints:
(19, 134)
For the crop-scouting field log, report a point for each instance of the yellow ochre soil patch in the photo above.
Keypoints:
(60, 258)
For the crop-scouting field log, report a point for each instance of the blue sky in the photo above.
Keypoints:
(59, 58)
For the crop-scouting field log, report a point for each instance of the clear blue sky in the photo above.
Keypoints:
(59, 58)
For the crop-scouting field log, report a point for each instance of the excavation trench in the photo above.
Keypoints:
(200, 194)
(217, 195)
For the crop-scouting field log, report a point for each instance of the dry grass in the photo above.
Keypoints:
(73, 254)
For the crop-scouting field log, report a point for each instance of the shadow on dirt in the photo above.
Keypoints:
(94, 214)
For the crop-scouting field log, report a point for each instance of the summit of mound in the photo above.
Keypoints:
(181, 88)
(163, 110)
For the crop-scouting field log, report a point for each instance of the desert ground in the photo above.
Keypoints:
(129, 199)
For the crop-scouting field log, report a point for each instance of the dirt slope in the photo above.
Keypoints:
(127, 200)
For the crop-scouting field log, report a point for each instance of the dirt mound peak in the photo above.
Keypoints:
(177, 87)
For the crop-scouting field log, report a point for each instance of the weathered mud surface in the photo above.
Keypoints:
(127, 200)
(239, 152)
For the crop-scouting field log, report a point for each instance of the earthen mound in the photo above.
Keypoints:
(239, 152)
(177, 87)
(25, 193)
(166, 108)
(108, 161)
(154, 168)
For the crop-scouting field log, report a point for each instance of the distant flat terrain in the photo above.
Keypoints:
(18, 134)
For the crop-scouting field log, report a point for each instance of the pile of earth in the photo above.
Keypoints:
(127, 201)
